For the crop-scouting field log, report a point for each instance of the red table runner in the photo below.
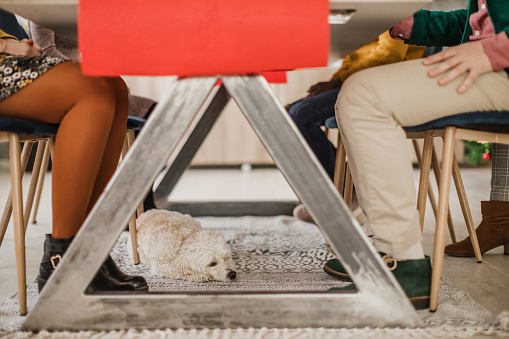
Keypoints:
(201, 37)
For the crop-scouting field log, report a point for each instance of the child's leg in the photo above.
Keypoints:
(372, 106)
(309, 115)
(91, 121)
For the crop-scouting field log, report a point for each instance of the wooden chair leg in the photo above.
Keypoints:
(443, 206)
(124, 149)
(40, 182)
(19, 229)
(436, 171)
(6, 217)
(134, 242)
(129, 139)
(51, 146)
(431, 195)
(140, 209)
(33, 182)
(339, 171)
(424, 176)
(348, 187)
(326, 130)
(465, 208)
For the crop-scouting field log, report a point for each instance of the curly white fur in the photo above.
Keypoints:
(175, 246)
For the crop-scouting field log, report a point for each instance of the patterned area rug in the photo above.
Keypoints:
(276, 254)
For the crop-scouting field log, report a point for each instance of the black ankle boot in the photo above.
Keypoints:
(111, 269)
(103, 283)
(54, 250)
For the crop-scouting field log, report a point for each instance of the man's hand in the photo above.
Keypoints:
(469, 57)
(23, 47)
(324, 87)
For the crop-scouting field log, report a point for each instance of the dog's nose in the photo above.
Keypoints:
(231, 275)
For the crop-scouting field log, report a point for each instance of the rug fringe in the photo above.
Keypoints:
(503, 320)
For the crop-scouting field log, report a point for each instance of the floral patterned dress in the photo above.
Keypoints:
(17, 71)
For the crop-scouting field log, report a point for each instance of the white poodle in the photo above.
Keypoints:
(175, 246)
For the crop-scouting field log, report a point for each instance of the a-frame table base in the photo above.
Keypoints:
(221, 208)
(175, 130)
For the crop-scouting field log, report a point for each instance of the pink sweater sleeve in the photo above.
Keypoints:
(403, 30)
(497, 50)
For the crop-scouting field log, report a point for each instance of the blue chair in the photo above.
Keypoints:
(490, 126)
(15, 132)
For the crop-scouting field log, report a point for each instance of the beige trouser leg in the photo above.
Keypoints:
(371, 108)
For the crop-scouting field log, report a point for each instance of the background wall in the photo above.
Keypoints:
(232, 141)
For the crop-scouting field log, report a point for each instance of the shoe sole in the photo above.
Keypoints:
(462, 255)
(471, 255)
(336, 274)
(141, 289)
(420, 303)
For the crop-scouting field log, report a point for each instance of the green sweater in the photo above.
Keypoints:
(436, 28)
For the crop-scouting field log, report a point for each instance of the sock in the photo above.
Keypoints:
(414, 252)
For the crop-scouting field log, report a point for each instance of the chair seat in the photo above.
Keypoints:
(331, 123)
(40, 128)
(488, 121)
(27, 127)
(135, 123)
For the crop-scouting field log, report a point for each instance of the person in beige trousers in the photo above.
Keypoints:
(375, 104)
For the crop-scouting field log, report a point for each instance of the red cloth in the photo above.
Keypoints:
(197, 37)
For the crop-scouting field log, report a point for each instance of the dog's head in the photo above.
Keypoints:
(205, 256)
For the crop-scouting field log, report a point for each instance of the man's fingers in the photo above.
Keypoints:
(469, 80)
(444, 66)
(452, 74)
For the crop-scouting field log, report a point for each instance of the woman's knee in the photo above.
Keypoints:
(121, 90)
(121, 97)
(106, 97)
(91, 91)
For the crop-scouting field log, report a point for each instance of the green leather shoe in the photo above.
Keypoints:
(334, 268)
(414, 276)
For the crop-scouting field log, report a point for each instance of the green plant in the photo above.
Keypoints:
(477, 153)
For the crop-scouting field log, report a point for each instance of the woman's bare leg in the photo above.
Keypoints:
(92, 113)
